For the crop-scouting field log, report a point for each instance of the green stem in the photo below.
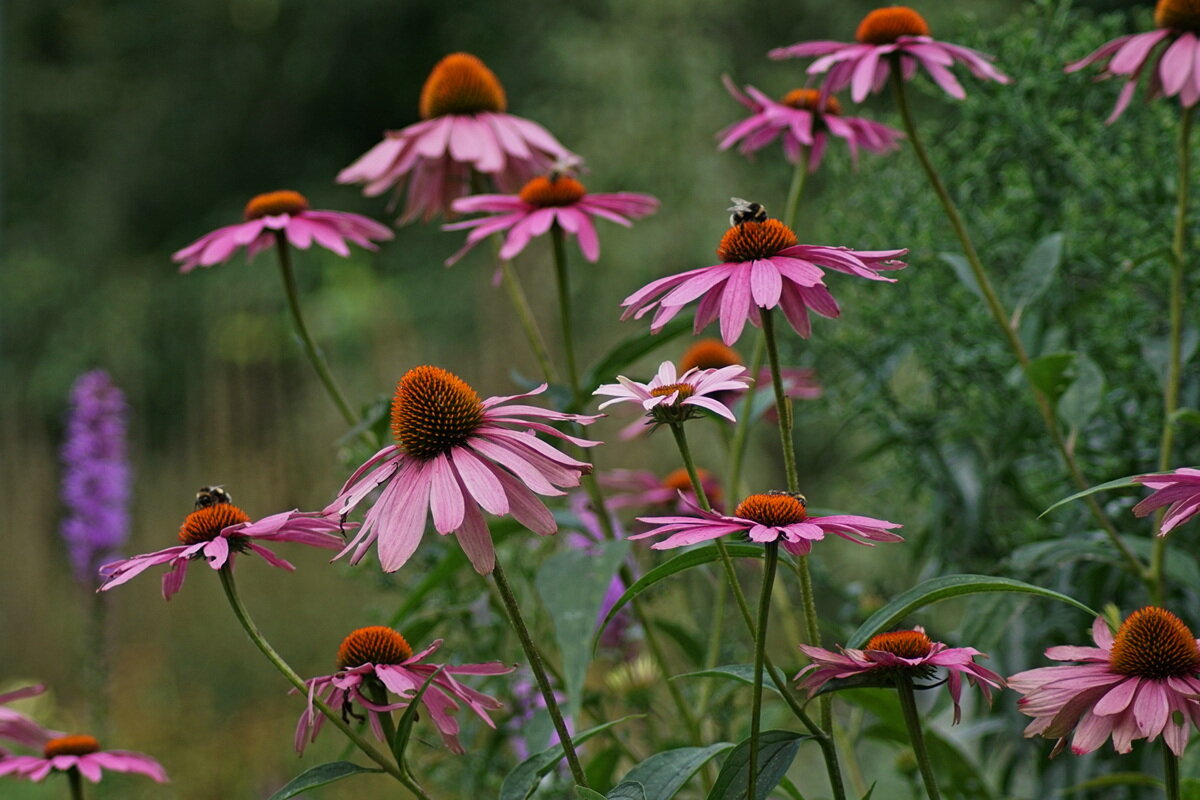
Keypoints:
(76, 782)
(824, 740)
(368, 749)
(799, 177)
(538, 668)
(912, 718)
(564, 307)
(741, 432)
(783, 404)
(1001, 317)
(310, 348)
(1179, 245)
(1171, 770)
(520, 303)
(760, 647)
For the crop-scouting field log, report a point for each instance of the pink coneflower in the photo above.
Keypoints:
(911, 654)
(1137, 685)
(798, 382)
(770, 517)
(80, 753)
(16, 727)
(671, 398)
(454, 456)
(762, 267)
(218, 530)
(802, 120)
(282, 214)
(1179, 489)
(376, 660)
(640, 488)
(463, 129)
(1174, 69)
(895, 34)
(544, 202)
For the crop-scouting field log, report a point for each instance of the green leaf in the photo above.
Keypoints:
(870, 792)
(875, 679)
(1116, 483)
(1186, 416)
(572, 585)
(1114, 779)
(629, 350)
(685, 560)
(742, 673)
(1038, 272)
(1052, 373)
(320, 775)
(625, 791)
(664, 774)
(962, 268)
(1082, 399)
(584, 793)
(405, 727)
(520, 783)
(776, 751)
(790, 789)
(943, 588)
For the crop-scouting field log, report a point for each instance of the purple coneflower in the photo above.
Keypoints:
(633, 488)
(802, 119)
(910, 654)
(672, 398)
(463, 129)
(1179, 489)
(1137, 685)
(96, 474)
(376, 660)
(282, 213)
(80, 753)
(887, 35)
(455, 456)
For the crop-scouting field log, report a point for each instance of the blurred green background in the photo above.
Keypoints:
(131, 128)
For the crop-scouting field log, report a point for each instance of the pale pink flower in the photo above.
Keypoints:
(672, 398)
(282, 214)
(544, 202)
(634, 488)
(456, 456)
(463, 130)
(215, 533)
(1141, 683)
(79, 752)
(763, 267)
(802, 119)
(1174, 69)
(1179, 489)
(16, 727)
(379, 658)
(770, 517)
(887, 35)
(911, 654)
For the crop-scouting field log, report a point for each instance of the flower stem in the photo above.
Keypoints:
(368, 749)
(741, 432)
(76, 782)
(539, 673)
(564, 307)
(760, 647)
(310, 348)
(1179, 245)
(799, 177)
(520, 303)
(912, 718)
(996, 307)
(824, 740)
(1171, 770)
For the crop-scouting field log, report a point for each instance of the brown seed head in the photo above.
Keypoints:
(433, 410)
(1154, 643)
(461, 84)
(373, 645)
(773, 509)
(906, 644)
(559, 190)
(751, 240)
(886, 25)
(273, 204)
(205, 524)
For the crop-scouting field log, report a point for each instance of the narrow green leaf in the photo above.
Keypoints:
(1114, 779)
(520, 783)
(943, 588)
(1038, 271)
(663, 774)
(1052, 373)
(870, 792)
(572, 585)
(1116, 483)
(627, 790)
(1186, 416)
(875, 679)
(742, 673)
(776, 751)
(320, 775)
(629, 350)
(685, 560)
(790, 789)
(962, 269)
(404, 728)
(584, 793)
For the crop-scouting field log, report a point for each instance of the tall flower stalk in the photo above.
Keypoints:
(912, 720)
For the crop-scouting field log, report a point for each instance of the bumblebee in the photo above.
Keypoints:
(211, 495)
(745, 211)
(794, 495)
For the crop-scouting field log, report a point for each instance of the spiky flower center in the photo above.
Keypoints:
(272, 204)
(751, 240)
(1182, 15)
(555, 190)
(685, 391)
(1154, 643)
(906, 644)
(373, 645)
(886, 25)
(76, 745)
(810, 100)
(773, 509)
(433, 411)
(205, 524)
(709, 354)
(680, 481)
(461, 84)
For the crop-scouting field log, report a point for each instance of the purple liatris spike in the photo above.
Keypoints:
(95, 487)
